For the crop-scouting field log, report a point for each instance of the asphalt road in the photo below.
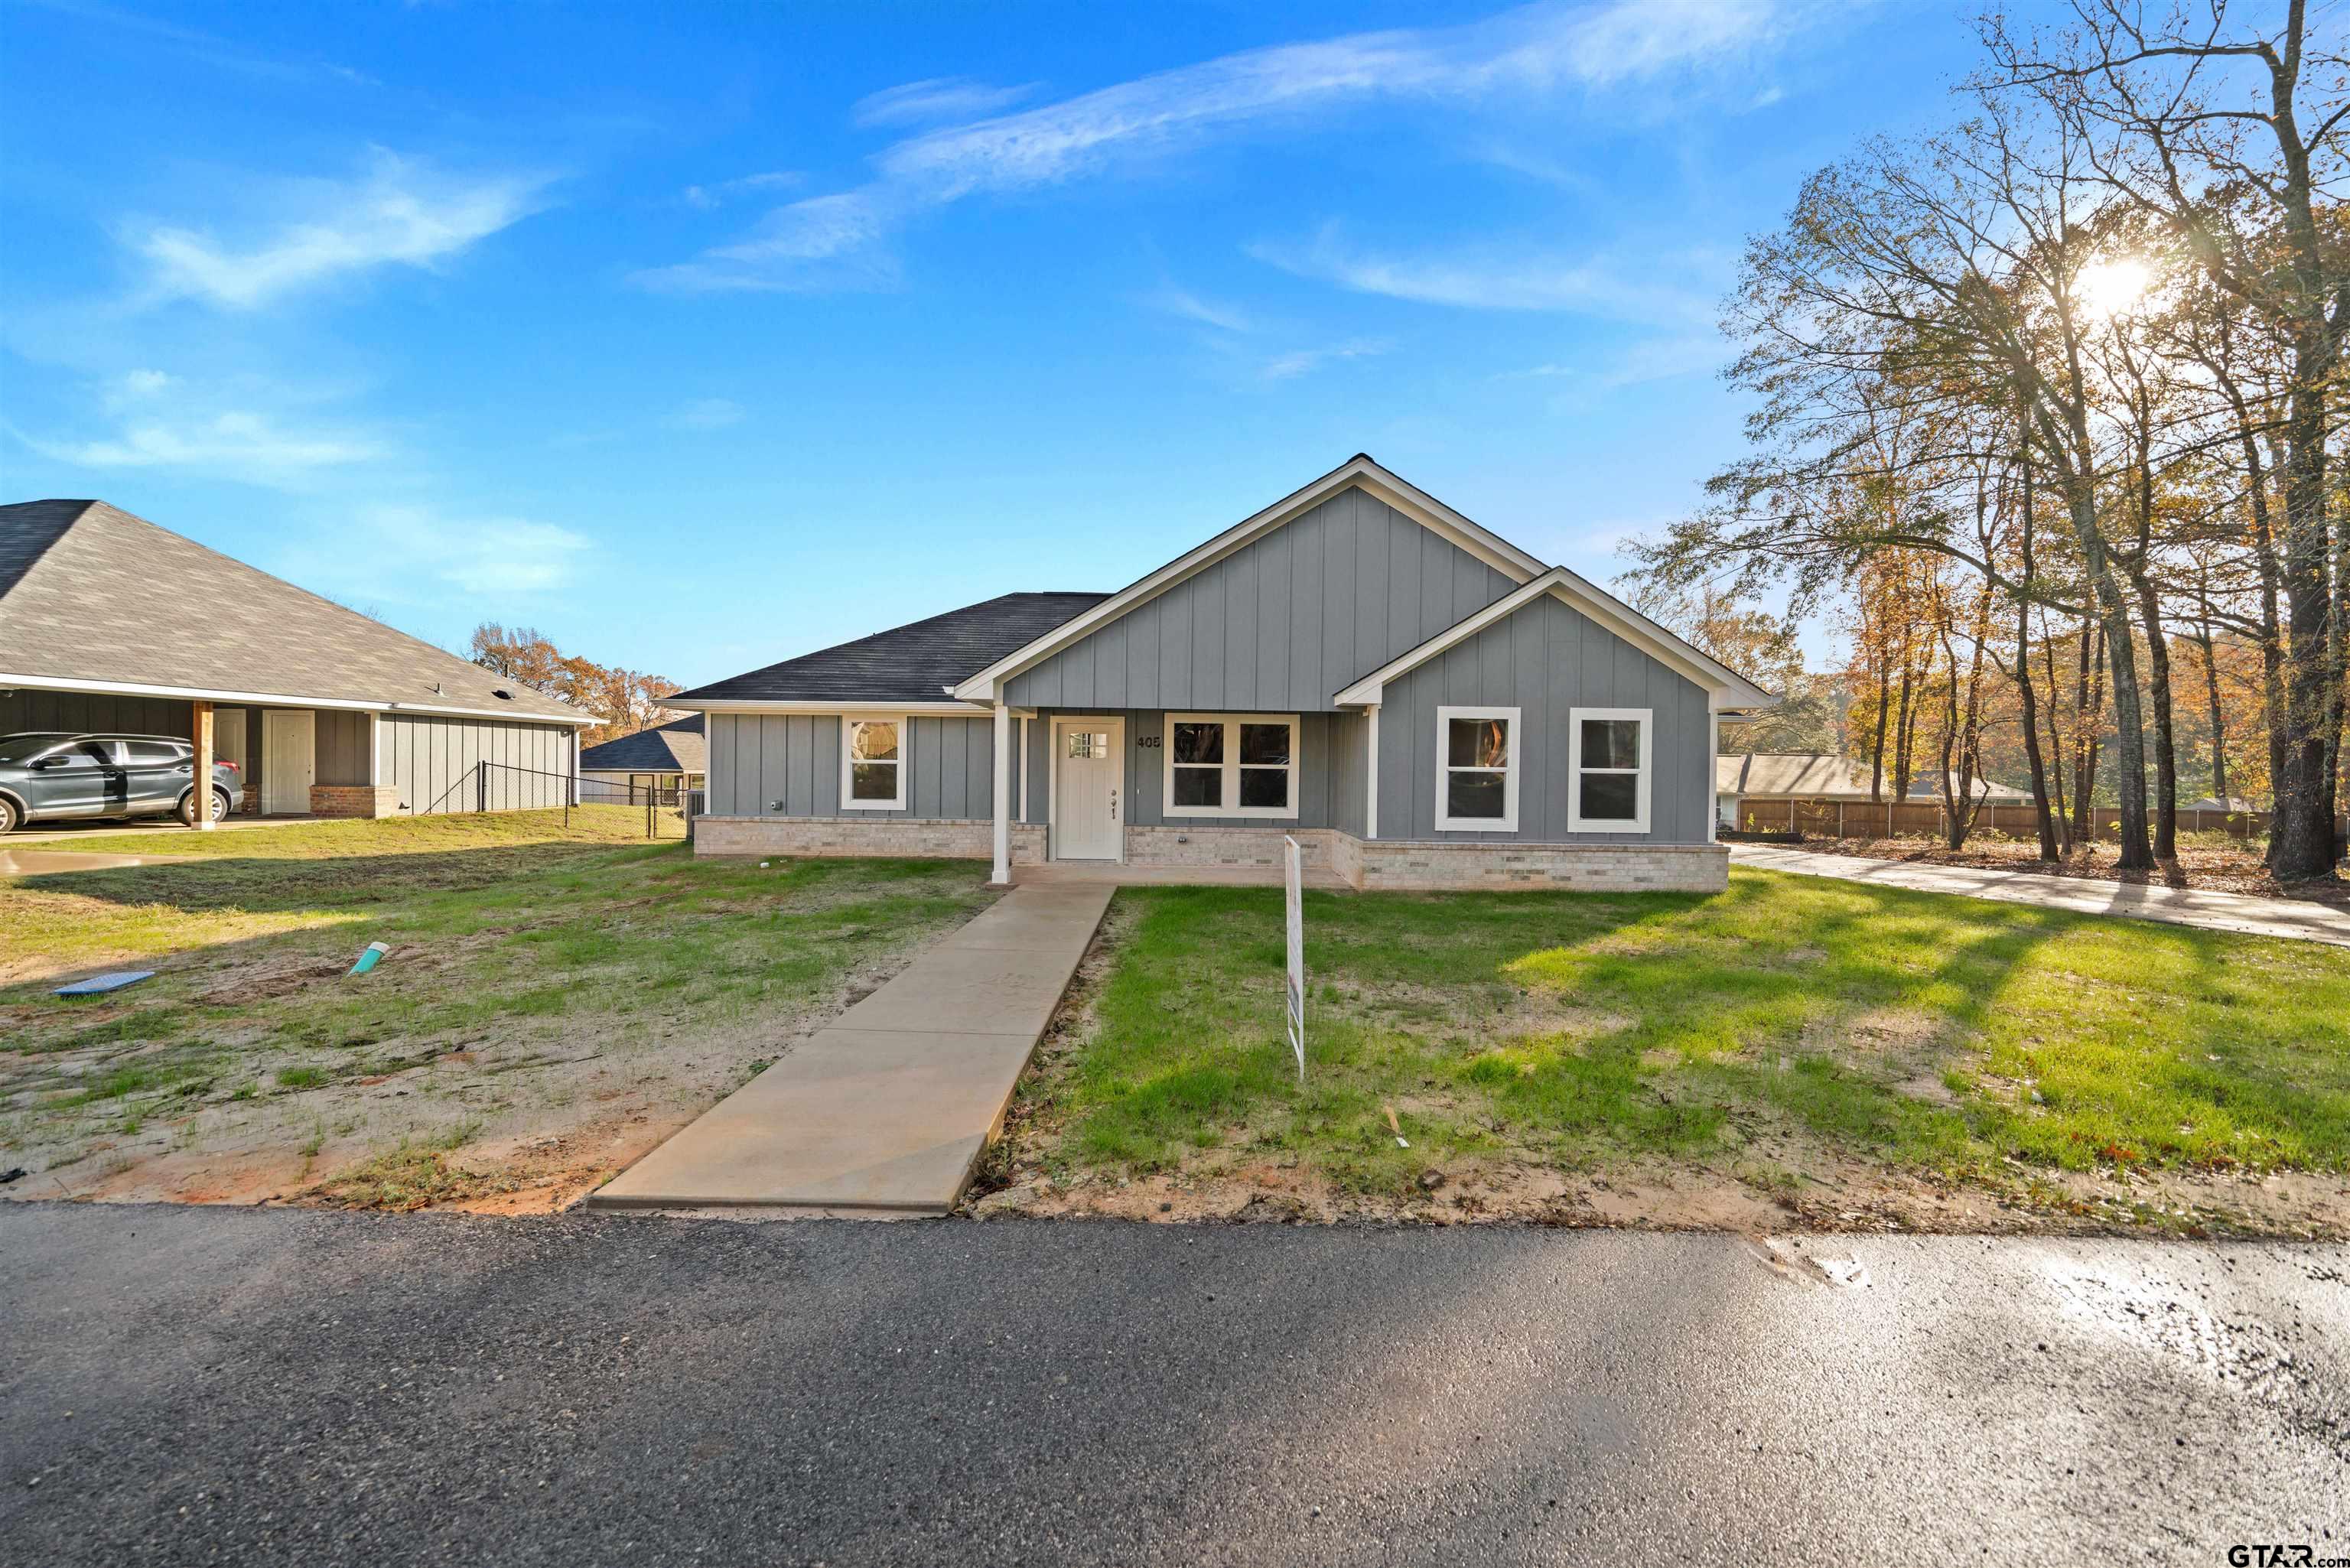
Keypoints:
(200, 1385)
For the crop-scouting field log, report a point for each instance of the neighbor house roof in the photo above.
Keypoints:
(909, 665)
(1822, 775)
(676, 747)
(1362, 472)
(2213, 803)
(93, 598)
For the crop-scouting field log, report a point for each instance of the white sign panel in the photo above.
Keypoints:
(1294, 882)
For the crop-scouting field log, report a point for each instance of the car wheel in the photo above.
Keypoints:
(9, 816)
(188, 808)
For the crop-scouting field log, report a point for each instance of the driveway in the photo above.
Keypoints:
(274, 1386)
(2087, 895)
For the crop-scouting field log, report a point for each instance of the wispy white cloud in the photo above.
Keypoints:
(716, 193)
(1648, 359)
(1539, 50)
(935, 99)
(704, 414)
(401, 211)
(1672, 290)
(505, 557)
(1298, 362)
(1176, 300)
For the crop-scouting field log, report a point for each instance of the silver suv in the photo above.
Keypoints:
(51, 775)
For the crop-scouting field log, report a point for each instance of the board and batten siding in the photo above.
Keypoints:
(1281, 624)
(1321, 737)
(1546, 660)
(342, 742)
(432, 761)
(788, 764)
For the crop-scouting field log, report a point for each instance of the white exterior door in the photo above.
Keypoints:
(1088, 789)
(289, 759)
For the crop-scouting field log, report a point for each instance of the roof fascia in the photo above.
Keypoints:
(1727, 691)
(826, 705)
(285, 699)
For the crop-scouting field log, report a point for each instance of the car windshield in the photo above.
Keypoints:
(25, 747)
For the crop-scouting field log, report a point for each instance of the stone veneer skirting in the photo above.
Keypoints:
(354, 800)
(1369, 863)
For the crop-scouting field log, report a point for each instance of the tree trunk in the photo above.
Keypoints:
(2204, 640)
(2031, 707)
(2157, 684)
(2057, 747)
(1877, 755)
(2088, 738)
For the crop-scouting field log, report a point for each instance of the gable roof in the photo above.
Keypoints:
(1730, 691)
(676, 747)
(94, 598)
(910, 665)
(1358, 470)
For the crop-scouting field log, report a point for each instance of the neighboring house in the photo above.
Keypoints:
(1417, 701)
(107, 622)
(655, 763)
(1756, 779)
(2235, 804)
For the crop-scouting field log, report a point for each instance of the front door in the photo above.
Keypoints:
(1088, 785)
(289, 760)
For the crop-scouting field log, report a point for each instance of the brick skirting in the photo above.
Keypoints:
(354, 800)
(835, 836)
(1371, 865)
(1398, 865)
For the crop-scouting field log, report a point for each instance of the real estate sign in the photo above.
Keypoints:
(1294, 882)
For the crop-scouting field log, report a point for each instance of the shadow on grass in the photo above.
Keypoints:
(1921, 1029)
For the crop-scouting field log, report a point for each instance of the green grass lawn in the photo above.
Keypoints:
(537, 972)
(1579, 1031)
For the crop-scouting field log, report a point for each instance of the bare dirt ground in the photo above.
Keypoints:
(2205, 860)
(518, 1121)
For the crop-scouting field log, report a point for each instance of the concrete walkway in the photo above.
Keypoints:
(884, 1112)
(2173, 905)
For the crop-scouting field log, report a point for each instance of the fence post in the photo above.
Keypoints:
(482, 786)
(1839, 819)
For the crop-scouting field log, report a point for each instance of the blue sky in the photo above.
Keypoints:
(700, 337)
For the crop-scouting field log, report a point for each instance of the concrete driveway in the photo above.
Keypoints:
(2083, 894)
(198, 1385)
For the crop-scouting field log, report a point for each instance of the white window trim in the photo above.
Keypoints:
(1232, 767)
(905, 760)
(1575, 822)
(1508, 821)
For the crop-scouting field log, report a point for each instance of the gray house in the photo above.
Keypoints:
(109, 622)
(1418, 701)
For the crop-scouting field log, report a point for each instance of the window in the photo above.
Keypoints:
(1232, 765)
(1609, 764)
(1477, 770)
(873, 763)
(152, 753)
(1085, 745)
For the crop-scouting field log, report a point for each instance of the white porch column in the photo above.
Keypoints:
(1002, 792)
(1714, 776)
(201, 714)
(1371, 776)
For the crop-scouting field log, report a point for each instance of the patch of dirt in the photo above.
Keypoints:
(2204, 860)
(1824, 1193)
(528, 1118)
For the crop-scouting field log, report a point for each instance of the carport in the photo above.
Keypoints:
(110, 623)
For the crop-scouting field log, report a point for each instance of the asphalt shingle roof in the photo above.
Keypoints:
(676, 747)
(88, 592)
(912, 664)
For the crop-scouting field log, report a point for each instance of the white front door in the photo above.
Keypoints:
(1088, 789)
(289, 759)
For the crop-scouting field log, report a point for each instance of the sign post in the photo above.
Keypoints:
(1293, 884)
